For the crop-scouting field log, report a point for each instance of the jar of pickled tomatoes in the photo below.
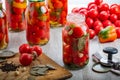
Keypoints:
(16, 14)
(58, 11)
(38, 27)
(75, 38)
(3, 28)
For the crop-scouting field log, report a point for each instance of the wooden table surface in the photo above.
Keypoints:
(53, 49)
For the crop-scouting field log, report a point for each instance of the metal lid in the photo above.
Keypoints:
(100, 69)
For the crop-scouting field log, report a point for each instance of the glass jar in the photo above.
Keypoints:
(75, 38)
(38, 27)
(3, 28)
(58, 11)
(16, 14)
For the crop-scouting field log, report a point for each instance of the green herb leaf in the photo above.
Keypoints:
(81, 42)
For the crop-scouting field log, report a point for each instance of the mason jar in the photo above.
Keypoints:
(4, 40)
(38, 27)
(15, 10)
(58, 11)
(75, 40)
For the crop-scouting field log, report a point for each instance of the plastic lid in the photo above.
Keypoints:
(36, 0)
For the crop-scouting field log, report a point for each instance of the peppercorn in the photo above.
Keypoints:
(7, 67)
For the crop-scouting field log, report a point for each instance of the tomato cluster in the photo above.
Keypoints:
(100, 15)
(75, 45)
(38, 27)
(58, 12)
(16, 17)
(27, 53)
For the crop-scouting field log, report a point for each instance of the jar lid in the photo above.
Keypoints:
(36, 0)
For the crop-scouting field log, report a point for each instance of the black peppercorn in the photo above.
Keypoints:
(7, 67)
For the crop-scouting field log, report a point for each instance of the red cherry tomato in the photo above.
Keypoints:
(98, 2)
(106, 23)
(103, 15)
(92, 13)
(97, 23)
(58, 4)
(67, 58)
(37, 49)
(83, 11)
(79, 60)
(24, 48)
(75, 10)
(25, 59)
(68, 49)
(118, 32)
(119, 16)
(103, 7)
(89, 22)
(16, 18)
(18, 11)
(92, 5)
(66, 38)
(113, 17)
(98, 29)
(21, 25)
(77, 32)
(114, 9)
(19, 0)
(67, 54)
(117, 23)
(92, 33)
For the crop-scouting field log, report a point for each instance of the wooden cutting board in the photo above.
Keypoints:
(59, 74)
